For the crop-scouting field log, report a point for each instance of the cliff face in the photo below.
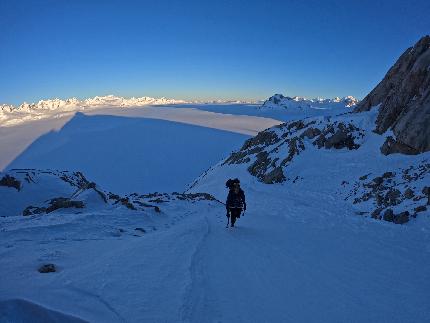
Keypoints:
(404, 99)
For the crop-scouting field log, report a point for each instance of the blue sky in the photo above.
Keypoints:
(201, 49)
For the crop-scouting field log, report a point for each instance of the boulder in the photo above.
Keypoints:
(420, 208)
(409, 193)
(392, 197)
(376, 214)
(388, 215)
(310, 133)
(392, 146)
(275, 176)
(47, 268)
(401, 218)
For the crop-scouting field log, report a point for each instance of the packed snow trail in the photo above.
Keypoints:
(304, 265)
(292, 258)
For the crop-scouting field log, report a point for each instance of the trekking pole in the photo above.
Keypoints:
(228, 221)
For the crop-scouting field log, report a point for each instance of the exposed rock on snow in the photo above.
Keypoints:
(392, 146)
(278, 101)
(403, 97)
(47, 268)
(10, 181)
(394, 195)
(47, 191)
(272, 150)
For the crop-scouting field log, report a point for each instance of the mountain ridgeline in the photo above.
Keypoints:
(403, 97)
(343, 150)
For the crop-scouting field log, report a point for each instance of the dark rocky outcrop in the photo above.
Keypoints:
(63, 203)
(392, 146)
(401, 218)
(33, 210)
(270, 152)
(10, 181)
(394, 196)
(47, 268)
(426, 192)
(403, 97)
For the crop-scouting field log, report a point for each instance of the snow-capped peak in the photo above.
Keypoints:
(10, 115)
(296, 102)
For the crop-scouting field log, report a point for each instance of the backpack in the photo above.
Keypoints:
(230, 182)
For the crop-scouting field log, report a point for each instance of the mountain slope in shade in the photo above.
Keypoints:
(403, 97)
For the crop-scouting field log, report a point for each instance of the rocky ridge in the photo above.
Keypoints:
(279, 101)
(39, 192)
(403, 100)
(270, 152)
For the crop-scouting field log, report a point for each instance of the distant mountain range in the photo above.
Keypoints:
(278, 101)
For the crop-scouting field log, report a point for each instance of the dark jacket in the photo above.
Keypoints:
(236, 200)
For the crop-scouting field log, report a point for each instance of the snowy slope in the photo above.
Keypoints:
(303, 153)
(126, 154)
(290, 252)
(303, 252)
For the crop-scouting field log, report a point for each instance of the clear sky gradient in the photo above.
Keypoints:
(201, 49)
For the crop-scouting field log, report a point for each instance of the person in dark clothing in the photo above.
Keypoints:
(235, 200)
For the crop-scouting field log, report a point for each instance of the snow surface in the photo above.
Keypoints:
(296, 255)
(125, 150)
(300, 254)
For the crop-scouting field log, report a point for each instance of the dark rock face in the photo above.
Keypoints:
(393, 146)
(10, 181)
(404, 99)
